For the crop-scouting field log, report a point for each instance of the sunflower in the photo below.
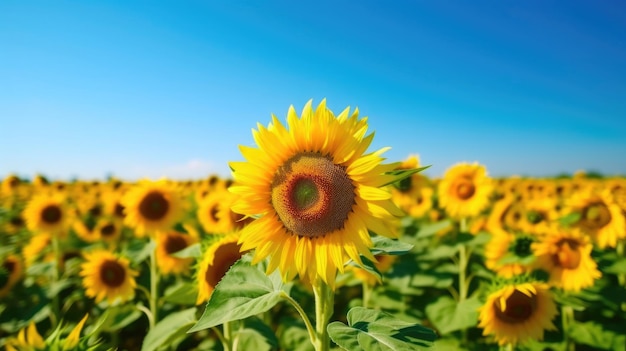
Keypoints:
(413, 194)
(210, 212)
(506, 214)
(47, 214)
(9, 184)
(28, 338)
(106, 276)
(509, 254)
(109, 229)
(566, 256)
(517, 313)
(539, 216)
(316, 192)
(216, 261)
(600, 217)
(11, 272)
(169, 243)
(464, 190)
(152, 206)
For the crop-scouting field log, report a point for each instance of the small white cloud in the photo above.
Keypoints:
(192, 169)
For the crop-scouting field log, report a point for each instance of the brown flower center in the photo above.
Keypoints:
(51, 214)
(519, 308)
(239, 221)
(119, 210)
(225, 256)
(213, 211)
(596, 216)
(112, 273)
(174, 243)
(311, 195)
(568, 255)
(107, 230)
(465, 188)
(154, 206)
(17, 221)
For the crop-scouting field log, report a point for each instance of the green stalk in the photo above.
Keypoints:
(154, 285)
(367, 293)
(324, 308)
(567, 317)
(621, 252)
(305, 318)
(228, 336)
(55, 279)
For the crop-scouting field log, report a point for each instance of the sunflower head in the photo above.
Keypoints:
(46, 213)
(464, 190)
(600, 217)
(517, 312)
(151, 207)
(316, 193)
(11, 271)
(566, 256)
(169, 243)
(216, 261)
(108, 277)
(509, 254)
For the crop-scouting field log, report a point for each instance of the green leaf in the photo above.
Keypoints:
(168, 329)
(243, 292)
(139, 250)
(293, 335)
(191, 251)
(375, 330)
(594, 335)
(448, 315)
(400, 174)
(617, 267)
(439, 252)
(570, 219)
(119, 317)
(433, 228)
(182, 294)
(432, 279)
(384, 245)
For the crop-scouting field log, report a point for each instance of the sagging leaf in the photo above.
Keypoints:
(182, 294)
(375, 330)
(384, 245)
(244, 291)
(400, 174)
(433, 228)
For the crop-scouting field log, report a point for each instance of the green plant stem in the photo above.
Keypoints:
(56, 275)
(464, 254)
(154, 285)
(567, 317)
(324, 308)
(507, 347)
(220, 336)
(621, 251)
(228, 336)
(367, 293)
(305, 318)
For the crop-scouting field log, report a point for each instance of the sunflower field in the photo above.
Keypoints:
(315, 243)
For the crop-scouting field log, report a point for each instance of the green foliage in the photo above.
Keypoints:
(244, 291)
(374, 330)
(448, 315)
(168, 329)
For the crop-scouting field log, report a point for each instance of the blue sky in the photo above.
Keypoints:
(148, 88)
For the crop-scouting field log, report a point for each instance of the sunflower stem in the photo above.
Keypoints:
(220, 336)
(621, 251)
(227, 342)
(154, 285)
(305, 318)
(464, 254)
(55, 279)
(367, 293)
(567, 317)
(324, 308)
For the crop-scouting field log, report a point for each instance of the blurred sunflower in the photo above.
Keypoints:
(106, 276)
(210, 212)
(10, 184)
(413, 194)
(216, 261)
(168, 243)
(151, 207)
(317, 193)
(566, 256)
(47, 214)
(11, 272)
(28, 339)
(464, 190)
(517, 313)
(509, 254)
(36, 245)
(109, 230)
(539, 217)
(600, 217)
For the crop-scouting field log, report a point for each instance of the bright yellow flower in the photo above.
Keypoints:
(216, 261)
(518, 313)
(464, 190)
(106, 276)
(12, 271)
(566, 256)
(168, 243)
(316, 191)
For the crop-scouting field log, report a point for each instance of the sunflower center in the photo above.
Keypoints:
(119, 210)
(5, 272)
(154, 206)
(535, 217)
(107, 230)
(174, 243)
(239, 220)
(14, 182)
(17, 221)
(225, 256)
(596, 215)
(311, 195)
(568, 256)
(51, 214)
(519, 308)
(112, 273)
(465, 189)
(213, 213)
(522, 246)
